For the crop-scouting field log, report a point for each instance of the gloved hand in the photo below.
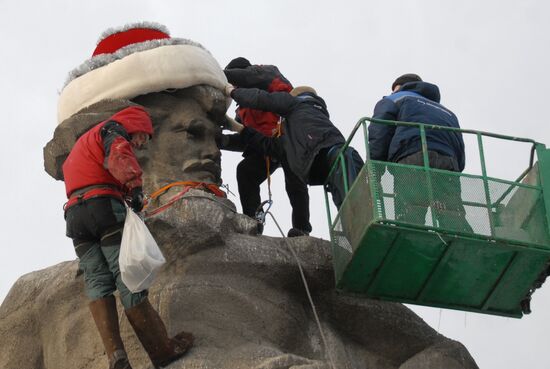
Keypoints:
(136, 199)
(233, 125)
(222, 141)
(228, 89)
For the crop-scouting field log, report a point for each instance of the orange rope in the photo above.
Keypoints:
(187, 185)
(209, 186)
(278, 132)
(279, 129)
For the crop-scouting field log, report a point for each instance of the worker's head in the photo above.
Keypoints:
(405, 78)
(238, 63)
(296, 91)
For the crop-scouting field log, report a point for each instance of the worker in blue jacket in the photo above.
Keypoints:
(413, 100)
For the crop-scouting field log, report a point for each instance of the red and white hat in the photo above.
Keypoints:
(134, 60)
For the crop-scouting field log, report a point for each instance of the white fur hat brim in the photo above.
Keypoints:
(153, 70)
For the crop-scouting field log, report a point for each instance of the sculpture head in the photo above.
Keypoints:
(176, 80)
(186, 123)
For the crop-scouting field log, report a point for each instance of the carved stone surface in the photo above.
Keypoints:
(184, 146)
(239, 293)
(186, 123)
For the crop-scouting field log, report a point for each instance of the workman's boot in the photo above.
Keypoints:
(152, 334)
(106, 319)
(295, 232)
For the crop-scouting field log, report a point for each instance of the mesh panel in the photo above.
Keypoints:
(458, 203)
(339, 237)
(358, 209)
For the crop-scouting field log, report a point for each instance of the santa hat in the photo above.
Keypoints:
(135, 60)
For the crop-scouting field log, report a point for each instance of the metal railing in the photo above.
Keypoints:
(490, 205)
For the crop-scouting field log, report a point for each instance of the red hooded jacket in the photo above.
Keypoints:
(88, 165)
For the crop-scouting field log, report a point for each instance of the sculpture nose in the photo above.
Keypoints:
(212, 152)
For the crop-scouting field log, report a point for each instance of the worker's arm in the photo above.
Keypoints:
(263, 145)
(252, 76)
(231, 142)
(120, 160)
(462, 154)
(280, 103)
(380, 135)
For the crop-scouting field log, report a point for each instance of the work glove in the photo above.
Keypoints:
(233, 125)
(136, 199)
(222, 140)
(228, 89)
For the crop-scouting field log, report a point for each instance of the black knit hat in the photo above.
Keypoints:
(409, 77)
(238, 63)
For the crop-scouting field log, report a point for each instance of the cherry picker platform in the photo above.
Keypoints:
(444, 239)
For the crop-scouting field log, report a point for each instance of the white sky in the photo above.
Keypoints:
(489, 58)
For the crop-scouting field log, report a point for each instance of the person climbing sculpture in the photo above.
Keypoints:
(102, 171)
(255, 167)
(311, 142)
(413, 100)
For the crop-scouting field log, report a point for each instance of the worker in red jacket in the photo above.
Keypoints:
(254, 168)
(100, 173)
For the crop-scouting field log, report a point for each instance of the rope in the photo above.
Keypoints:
(192, 184)
(260, 212)
(306, 286)
(187, 185)
(214, 200)
(267, 164)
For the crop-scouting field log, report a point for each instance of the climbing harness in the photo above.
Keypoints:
(308, 293)
(187, 185)
(260, 211)
(226, 187)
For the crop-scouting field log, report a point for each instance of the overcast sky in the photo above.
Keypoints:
(489, 58)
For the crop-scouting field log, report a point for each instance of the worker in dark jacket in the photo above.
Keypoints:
(241, 73)
(310, 142)
(253, 170)
(100, 173)
(413, 100)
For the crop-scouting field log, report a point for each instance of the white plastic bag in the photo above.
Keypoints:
(140, 257)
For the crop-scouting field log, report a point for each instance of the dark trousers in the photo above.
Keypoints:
(411, 192)
(252, 172)
(95, 226)
(319, 172)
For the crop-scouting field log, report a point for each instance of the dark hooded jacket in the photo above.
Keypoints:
(104, 159)
(264, 77)
(307, 128)
(415, 102)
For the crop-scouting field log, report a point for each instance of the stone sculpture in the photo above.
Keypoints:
(240, 294)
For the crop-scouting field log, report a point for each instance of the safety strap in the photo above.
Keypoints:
(260, 212)
(267, 165)
(187, 185)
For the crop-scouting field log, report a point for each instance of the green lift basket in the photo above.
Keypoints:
(426, 236)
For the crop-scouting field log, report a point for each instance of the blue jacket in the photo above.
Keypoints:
(415, 102)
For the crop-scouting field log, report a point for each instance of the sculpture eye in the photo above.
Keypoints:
(195, 129)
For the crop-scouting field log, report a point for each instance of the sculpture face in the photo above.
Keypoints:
(184, 146)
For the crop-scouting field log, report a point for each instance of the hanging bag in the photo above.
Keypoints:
(140, 257)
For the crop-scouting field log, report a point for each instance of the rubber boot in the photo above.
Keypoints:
(106, 320)
(152, 334)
